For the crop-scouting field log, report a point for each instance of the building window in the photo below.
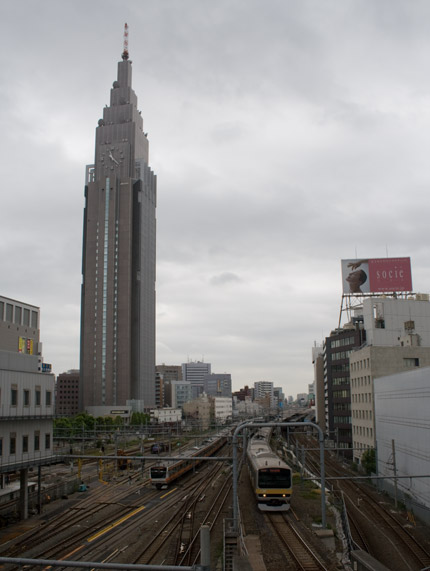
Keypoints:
(36, 441)
(34, 319)
(12, 444)
(14, 396)
(37, 394)
(25, 443)
(26, 316)
(411, 362)
(1, 447)
(26, 397)
(47, 441)
(48, 398)
(18, 315)
(9, 312)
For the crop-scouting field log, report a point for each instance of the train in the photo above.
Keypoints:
(167, 471)
(271, 477)
(158, 447)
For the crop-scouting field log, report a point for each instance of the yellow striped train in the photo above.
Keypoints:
(271, 477)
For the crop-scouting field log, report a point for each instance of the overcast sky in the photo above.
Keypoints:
(285, 135)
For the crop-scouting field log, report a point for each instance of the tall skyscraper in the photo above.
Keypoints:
(118, 288)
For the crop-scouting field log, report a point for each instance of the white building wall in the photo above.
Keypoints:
(24, 423)
(223, 408)
(402, 404)
(394, 313)
(167, 414)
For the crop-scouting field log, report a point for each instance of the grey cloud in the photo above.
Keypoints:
(224, 278)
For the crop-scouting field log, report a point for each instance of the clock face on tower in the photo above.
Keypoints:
(111, 157)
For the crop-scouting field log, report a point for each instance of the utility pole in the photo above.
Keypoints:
(394, 472)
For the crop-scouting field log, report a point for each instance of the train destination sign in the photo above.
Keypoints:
(376, 275)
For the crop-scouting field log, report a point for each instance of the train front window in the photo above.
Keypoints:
(158, 472)
(274, 478)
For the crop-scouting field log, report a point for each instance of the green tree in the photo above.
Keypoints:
(83, 421)
(368, 461)
(138, 418)
(62, 427)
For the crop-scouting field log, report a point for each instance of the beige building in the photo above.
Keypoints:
(404, 347)
(199, 411)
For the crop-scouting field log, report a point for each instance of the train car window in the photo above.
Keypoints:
(158, 472)
(274, 478)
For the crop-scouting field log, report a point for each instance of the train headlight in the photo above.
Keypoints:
(264, 495)
(284, 495)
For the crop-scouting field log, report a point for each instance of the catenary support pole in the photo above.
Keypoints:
(205, 547)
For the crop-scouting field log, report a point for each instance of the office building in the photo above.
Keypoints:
(170, 372)
(217, 384)
(177, 393)
(118, 289)
(164, 375)
(336, 352)
(194, 372)
(67, 394)
(397, 340)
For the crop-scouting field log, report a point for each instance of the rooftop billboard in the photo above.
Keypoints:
(376, 275)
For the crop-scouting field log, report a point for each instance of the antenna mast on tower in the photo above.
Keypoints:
(125, 52)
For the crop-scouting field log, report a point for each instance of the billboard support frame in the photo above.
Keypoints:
(355, 301)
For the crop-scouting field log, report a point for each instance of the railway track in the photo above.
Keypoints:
(302, 554)
(373, 528)
(180, 529)
(192, 553)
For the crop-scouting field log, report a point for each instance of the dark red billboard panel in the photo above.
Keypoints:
(376, 275)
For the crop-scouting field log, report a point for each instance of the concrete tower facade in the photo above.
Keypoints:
(118, 288)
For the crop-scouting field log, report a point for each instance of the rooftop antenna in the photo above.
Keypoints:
(125, 52)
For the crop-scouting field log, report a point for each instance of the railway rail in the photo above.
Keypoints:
(302, 554)
(96, 523)
(373, 528)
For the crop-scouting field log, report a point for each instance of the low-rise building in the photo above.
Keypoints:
(402, 424)
(246, 408)
(166, 415)
(198, 412)
(27, 412)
